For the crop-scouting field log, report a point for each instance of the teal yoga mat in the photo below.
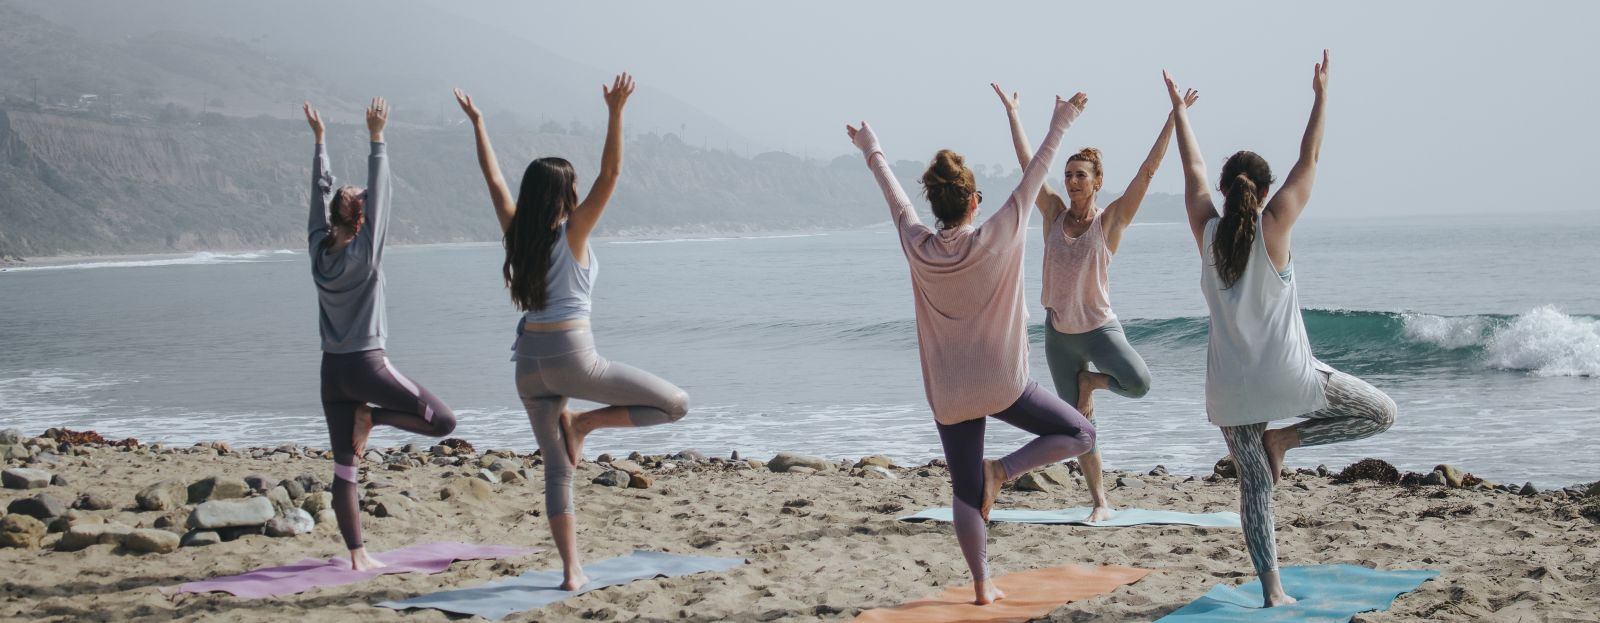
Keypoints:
(537, 589)
(1326, 594)
(1075, 516)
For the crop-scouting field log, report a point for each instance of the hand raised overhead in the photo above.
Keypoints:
(465, 101)
(619, 91)
(377, 117)
(1009, 101)
(862, 137)
(1079, 100)
(1319, 75)
(315, 119)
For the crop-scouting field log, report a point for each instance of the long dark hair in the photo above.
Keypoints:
(1244, 175)
(546, 196)
(948, 184)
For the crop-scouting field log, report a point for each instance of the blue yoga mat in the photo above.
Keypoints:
(537, 589)
(1326, 594)
(1075, 516)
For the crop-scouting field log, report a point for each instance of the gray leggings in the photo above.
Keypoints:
(1107, 348)
(1356, 410)
(555, 366)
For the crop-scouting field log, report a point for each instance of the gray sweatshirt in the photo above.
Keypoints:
(350, 280)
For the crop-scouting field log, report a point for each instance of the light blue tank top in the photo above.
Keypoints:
(567, 285)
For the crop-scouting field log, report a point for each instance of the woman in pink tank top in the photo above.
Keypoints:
(1079, 240)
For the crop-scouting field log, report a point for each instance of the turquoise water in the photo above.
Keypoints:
(1486, 331)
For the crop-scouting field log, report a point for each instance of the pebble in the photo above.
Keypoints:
(309, 483)
(164, 495)
(1435, 478)
(25, 478)
(231, 513)
(21, 531)
(875, 459)
(217, 488)
(1451, 475)
(1160, 470)
(293, 488)
(92, 502)
(640, 481)
(1050, 478)
(43, 507)
(1129, 482)
(466, 488)
(200, 538)
(151, 541)
(293, 523)
(1528, 489)
(57, 480)
(510, 477)
(488, 476)
(877, 472)
(1225, 468)
(14, 452)
(327, 517)
(627, 466)
(612, 478)
(281, 502)
(317, 502)
(257, 482)
(784, 461)
(390, 505)
(10, 436)
(800, 469)
(690, 455)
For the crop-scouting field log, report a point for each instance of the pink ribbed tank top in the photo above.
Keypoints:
(1077, 292)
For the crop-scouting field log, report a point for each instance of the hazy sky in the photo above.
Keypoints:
(1436, 107)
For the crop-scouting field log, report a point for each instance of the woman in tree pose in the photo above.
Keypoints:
(348, 226)
(1259, 365)
(972, 329)
(1079, 240)
(550, 270)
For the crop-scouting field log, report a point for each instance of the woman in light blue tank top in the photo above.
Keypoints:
(1259, 364)
(550, 271)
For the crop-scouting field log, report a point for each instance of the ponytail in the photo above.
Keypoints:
(1244, 175)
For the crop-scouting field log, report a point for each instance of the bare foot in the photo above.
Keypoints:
(1281, 599)
(360, 561)
(1099, 513)
(362, 429)
(573, 440)
(1087, 383)
(1277, 442)
(994, 475)
(986, 592)
(574, 580)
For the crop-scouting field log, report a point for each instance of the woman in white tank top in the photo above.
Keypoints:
(1259, 365)
(1080, 328)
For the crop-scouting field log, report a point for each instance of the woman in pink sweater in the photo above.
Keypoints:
(972, 329)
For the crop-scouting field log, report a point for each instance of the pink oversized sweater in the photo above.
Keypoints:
(972, 324)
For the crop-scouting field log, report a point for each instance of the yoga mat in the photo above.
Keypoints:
(1075, 516)
(1326, 594)
(1029, 595)
(302, 576)
(537, 589)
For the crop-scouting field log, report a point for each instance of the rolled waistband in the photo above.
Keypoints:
(543, 344)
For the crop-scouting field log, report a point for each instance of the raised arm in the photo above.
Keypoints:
(504, 206)
(1285, 206)
(378, 185)
(587, 214)
(321, 177)
(1120, 213)
(1049, 202)
(1196, 197)
(1012, 218)
(900, 209)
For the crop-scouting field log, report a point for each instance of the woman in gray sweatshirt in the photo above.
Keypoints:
(360, 388)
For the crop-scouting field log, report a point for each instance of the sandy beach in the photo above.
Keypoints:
(820, 546)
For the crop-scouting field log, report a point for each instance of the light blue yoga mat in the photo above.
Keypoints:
(537, 589)
(1075, 516)
(1326, 594)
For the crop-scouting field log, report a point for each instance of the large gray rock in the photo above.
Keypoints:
(162, 496)
(151, 541)
(25, 478)
(281, 502)
(43, 507)
(84, 535)
(396, 506)
(200, 538)
(1050, 478)
(217, 488)
(21, 531)
(92, 502)
(626, 466)
(295, 522)
(15, 451)
(612, 478)
(295, 488)
(218, 514)
(10, 436)
(785, 460)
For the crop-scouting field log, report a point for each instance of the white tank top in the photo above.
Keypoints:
(1259, 366)
(1076, 275)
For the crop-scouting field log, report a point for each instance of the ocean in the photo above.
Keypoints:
(1484, 329)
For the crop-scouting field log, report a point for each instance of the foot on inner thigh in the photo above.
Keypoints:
(574, 579)
(572, 435)
(994, 475)
(360, 561)
(361, 430)
(985, 592)
(1088, 382)
(1277, 442)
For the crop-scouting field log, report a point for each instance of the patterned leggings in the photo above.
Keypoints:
(1356, 410)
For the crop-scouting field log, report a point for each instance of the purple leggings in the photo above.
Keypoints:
(350, 380)
(1063, 433)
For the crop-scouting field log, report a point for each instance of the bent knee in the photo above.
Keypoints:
(444, 423)
(1386, 412)
(677, 405)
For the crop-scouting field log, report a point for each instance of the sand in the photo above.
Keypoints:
(820, 546)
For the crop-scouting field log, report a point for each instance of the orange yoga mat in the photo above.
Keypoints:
(1029, 595)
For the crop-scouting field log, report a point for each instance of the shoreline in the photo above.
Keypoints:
(822, 541)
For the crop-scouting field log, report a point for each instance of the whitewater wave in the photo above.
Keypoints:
(201, 258)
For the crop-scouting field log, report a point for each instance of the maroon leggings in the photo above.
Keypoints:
(350, 380)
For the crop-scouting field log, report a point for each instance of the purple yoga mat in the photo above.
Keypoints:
(310, 573)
